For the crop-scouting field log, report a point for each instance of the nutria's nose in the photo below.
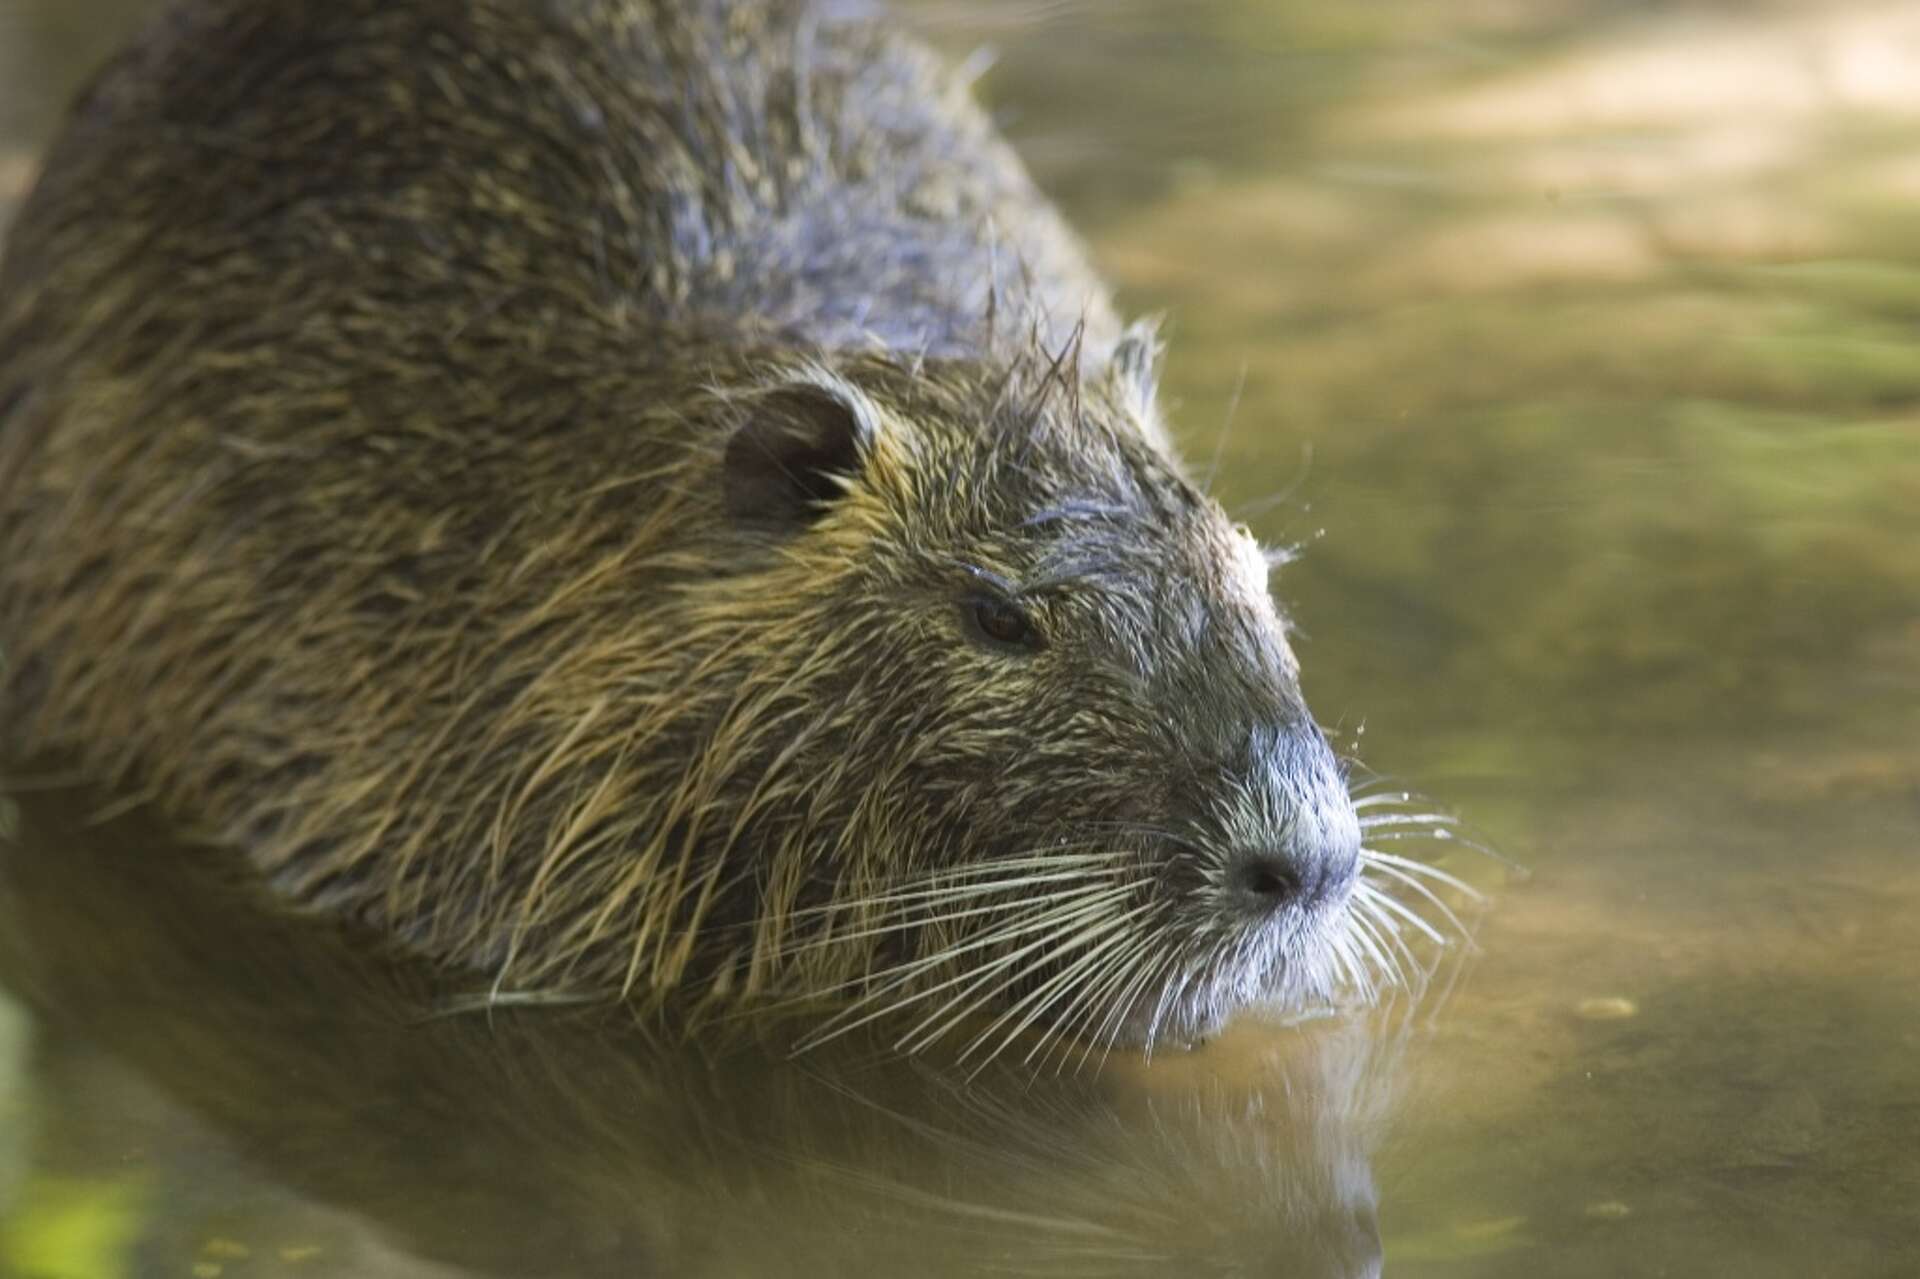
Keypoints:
(1272, 881)
(1297, 841)
(1266, 878)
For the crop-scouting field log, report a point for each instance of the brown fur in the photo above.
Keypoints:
(523, 471)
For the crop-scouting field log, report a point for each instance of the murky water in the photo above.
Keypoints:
(1576, 341)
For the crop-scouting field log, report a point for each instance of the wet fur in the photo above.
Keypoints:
(371, 372)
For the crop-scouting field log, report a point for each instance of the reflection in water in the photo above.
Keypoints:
(199, 1050)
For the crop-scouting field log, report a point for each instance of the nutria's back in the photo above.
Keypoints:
(761, 169)
(645, 496)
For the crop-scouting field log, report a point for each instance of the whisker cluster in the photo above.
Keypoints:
(1405, 912)
(1043, 942)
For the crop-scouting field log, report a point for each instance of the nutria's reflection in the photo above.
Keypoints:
(541, 1142)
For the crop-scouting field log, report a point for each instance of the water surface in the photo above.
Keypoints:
(1575, 343)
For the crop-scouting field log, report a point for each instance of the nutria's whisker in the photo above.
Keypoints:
(1068, 854)
(1343, 975)
(1173, 990)
(1380, 859)
(1365, 798)
(1150, 964)
(1353, 967)
(1370, 794)
(1386, 928)
(1412, 816)
(1078, 991)
(1460, 929)
(926, 899)
(1149, 830)
(908, 922)
(1361, 929)
(840, 1025)
(1095, 921)
(1012, 892)
(1034, 1005)
(1093, 943)
(1093, 991)
(1388, 936)
(1440, 835)
(1404, 874)
(1382, 943)
(893, 979)
(1021, 922)
(487, 1001)
(977, 888)
(1375, 898)
(1371, 821)
(1352, 971)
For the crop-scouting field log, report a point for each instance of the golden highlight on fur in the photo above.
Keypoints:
(646, 498)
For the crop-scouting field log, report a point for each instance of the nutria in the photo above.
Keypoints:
(642, 497)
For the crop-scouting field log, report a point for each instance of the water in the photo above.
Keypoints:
(1574, 342)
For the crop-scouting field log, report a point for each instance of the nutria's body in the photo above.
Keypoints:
(643, 496)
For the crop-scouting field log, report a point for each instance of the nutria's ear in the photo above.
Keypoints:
(793, 447)
(1135, 368)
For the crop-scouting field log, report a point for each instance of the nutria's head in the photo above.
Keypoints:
(1009, 722)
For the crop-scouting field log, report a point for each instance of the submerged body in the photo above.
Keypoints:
(646, 498)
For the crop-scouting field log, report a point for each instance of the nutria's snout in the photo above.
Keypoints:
(1258, 895)
(1310, 858)
(1287, 828)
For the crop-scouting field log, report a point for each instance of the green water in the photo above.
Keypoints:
(1576, 343)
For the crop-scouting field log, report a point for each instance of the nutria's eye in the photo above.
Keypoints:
(1002, 623)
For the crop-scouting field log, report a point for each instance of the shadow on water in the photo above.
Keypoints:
(227, 1083)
